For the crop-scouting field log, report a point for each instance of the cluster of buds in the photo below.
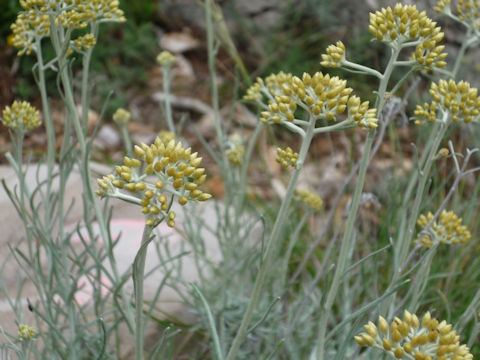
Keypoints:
(33, 23)
(166, 136)
(21, 116)
(165, 58)
(311, 201)
(27, 27)
(287, 157)
(26, 332)
(324, 97)
(468, 10)
(98, 10)
(85, 42)
(411, 339)
(175, 172)
(458, 101)
(447, 230)
(334, 56)
(404, 23)
(236, 151)
(122, 116)
(442, 6)
(360, 112)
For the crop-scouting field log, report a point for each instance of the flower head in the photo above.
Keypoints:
(166, 136)
(237, 150)
(442, 6)
(287, 157)
(21, 116)
(33, 23)
(324, 97)
(84, 42)
(174, 172)
(457, 101)
(334, 56)
(447, 230)
(404, 23)
(411, 338)
(165, 58)
(311, 201)
(26, 332)
(122, 116)
(469, 12)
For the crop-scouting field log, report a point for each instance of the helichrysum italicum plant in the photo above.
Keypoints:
(334, 56)
(21, 116)
(323, 96)
(448, 229)
(175, 171)
(405, 23)
(122, 116)
(311, 201)
(166, 136)
(26, 332)
(451, 101)
(236, 150)
(413, 339)
(33, 23)
(287, 157)
(84, 42)
(165, 58)
(468, 11)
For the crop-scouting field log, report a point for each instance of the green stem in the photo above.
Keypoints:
(242, 184)
(211, 67)
(85, 75)
(271, 247)
(126, 139)
(138, 281)
(166, 90)
(50, 130)
(361, 68)
(352, 214)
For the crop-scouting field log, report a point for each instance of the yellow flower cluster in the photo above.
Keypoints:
(26, 332)
(447, 230)
(26, 28)
(176, 174)
(235, 155)
(122, 116)
(85, 42)
(312, 201)
(458, 99)
(21, 116)
(359, 111)
(254, 92)
(287, 157)
(405, 23)
(165, 58)
(468, 10)
(34, 22)
(166, 136)
(236, 151)
(334, 56)
(411, 339)
(442, 6)
(321, 95)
